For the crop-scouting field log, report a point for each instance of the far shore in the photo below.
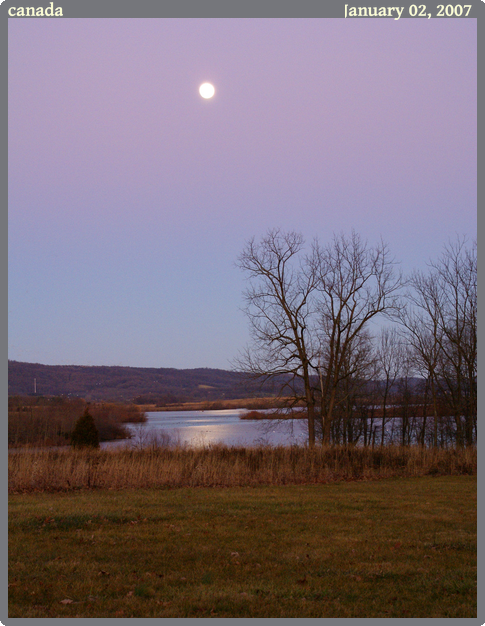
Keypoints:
(248, 404)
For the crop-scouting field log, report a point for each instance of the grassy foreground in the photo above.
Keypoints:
(401, 547)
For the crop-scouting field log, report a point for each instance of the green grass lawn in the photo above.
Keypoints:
(401, 547)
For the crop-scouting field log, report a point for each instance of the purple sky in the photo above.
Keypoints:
(130, 197)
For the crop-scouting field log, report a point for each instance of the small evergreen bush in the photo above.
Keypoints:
(85, 434)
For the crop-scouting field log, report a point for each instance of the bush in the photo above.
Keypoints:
(85, 434)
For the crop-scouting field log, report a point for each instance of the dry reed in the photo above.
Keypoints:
(217, 465)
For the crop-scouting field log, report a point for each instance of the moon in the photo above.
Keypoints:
(207, 90)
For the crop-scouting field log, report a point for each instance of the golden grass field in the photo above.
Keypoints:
(218, 465)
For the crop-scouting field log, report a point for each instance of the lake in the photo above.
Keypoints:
(201, 428)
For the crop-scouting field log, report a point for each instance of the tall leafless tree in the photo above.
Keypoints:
(280, 308)
(456, 275)
(355, 283)
(441, 323)
(357, 372)
(424, 335)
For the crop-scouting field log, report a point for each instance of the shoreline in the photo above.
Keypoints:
(246, 404)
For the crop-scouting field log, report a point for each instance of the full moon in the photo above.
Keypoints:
(207, 90)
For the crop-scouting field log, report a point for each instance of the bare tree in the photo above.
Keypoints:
(280, 307)
(357, 372)
(456, 275)
(405, 396)
(390, 357)
(355, 283)
(424, 336)
(441, 324)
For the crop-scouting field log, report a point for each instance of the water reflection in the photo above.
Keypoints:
(200, 428)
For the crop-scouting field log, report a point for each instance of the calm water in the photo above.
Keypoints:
(200, 428)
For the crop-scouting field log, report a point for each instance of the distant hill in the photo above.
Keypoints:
(142, 384)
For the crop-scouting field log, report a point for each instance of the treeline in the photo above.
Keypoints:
(312, 314)
(39, 421)
(406, 415)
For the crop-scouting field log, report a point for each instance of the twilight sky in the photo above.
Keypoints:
(130, 197)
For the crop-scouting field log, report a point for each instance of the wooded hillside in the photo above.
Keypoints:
(116, 383)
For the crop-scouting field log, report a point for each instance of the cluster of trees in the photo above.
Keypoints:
(312, 319)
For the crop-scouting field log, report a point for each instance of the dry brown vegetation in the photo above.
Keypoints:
(217, 465)
(49, 421)
(272, 415)
(217, 405)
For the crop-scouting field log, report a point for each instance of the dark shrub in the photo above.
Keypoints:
(85, 433)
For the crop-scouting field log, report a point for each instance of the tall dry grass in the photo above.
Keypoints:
(217, 465)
